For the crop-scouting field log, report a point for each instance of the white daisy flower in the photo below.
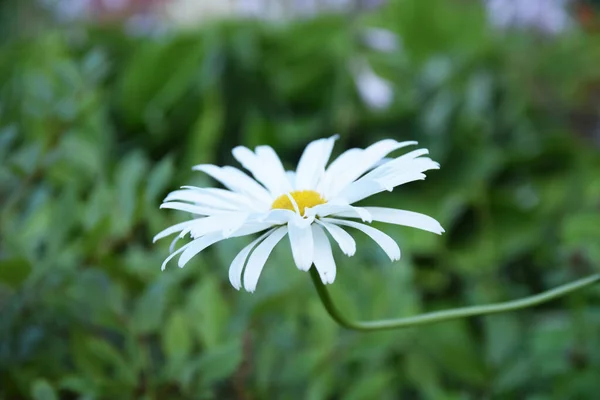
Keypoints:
(308, 205)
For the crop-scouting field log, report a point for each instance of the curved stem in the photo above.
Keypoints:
(439, 316)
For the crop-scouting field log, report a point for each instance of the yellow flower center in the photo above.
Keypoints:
(303, 198)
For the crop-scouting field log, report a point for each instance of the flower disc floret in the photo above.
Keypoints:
(303, 199)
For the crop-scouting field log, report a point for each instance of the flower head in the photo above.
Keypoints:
(308, 205)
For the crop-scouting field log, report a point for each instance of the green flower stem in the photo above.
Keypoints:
(439, 316)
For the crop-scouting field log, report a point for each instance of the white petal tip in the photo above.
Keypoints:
(304, 267)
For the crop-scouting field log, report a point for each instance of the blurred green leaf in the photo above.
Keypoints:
(177, 340)
(450, 345)
(149, 310)
(206, 130)
(42, 390)
(146, 93)
(14, 271)
(159, 180)
(369, 385)
(129, 175)
(220, 362)
(504, 338)
(208, 313)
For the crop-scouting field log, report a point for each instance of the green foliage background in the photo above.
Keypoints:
(96, 127)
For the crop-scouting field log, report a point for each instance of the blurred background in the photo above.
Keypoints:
(106, 104)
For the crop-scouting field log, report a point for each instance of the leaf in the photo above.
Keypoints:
(42, 390)
(8, 134)
(14, 271)
(450, 344)
(503, 336)
(97, 208)
(128, 178)
(176, 338)
(111, 356)
(145, 94)
(208, 313)
(79, 385)
(158, 179)
(149, 309)
(220, 362)
(83, 154)
(479, 95)
(207, 130)
(102, 363)
(370, 385)
(423, 373)
(514, 374)
(581, 227)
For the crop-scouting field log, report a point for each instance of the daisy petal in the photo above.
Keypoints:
(202, 198)
(259, 257)
(173, 244)
(224, 223)
(237, 265)
(399, 177)
(323, 258)
(197, 246)
(301, 241)
(265, 166)
(179, 250)
(363, 161)
(173, 229)
(267, 155)
(311, 166)
(237, 181)
(291, 177)
(364, 188)
(410, 162)
(384, 241)
(323, 210)
(388, 172)
(251, 227)
(278, 216)
(401, 217)
(234, 225)
(343, 238)
(224, 194)
(191, 208)
(327, 185)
